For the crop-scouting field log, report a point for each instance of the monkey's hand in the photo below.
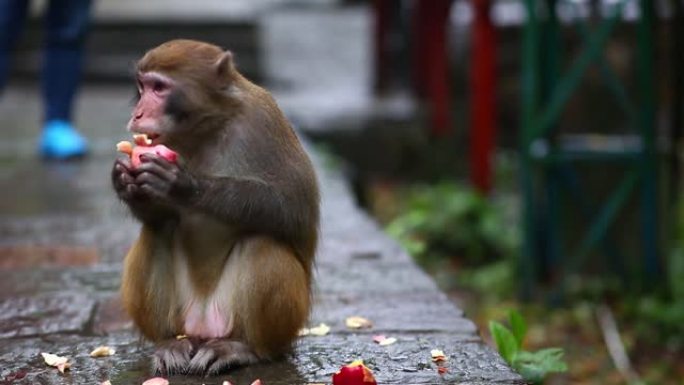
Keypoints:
(165, 182)
(138, 200)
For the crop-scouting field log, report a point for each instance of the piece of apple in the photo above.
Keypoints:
(156, 381)
(143, 147)
(142, 140)
(124, 146)
(159, 149)
(355, 373)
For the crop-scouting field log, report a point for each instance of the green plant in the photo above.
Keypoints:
(448, 220)
(533, 366)
(496, 280)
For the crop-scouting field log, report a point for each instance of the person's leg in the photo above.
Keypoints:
(12, 18)
(66, 26)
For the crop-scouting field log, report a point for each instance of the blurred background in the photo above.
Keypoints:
(526, 153)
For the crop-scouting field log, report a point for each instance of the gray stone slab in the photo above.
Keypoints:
(365, 276)
(22, 356)
(346, 247)
(97, 279)
(315, 360)
(406, 362)
(44, 314)
(419, 312)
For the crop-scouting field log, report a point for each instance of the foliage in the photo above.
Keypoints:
(660, 319)
(449, 220)
(533, 366)
(496, 279)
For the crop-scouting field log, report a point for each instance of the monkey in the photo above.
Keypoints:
(221, 273)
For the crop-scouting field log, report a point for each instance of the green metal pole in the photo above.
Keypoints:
(552, 259)
(526, 265)
(649, 196)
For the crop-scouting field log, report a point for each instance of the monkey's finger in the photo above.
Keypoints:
(125, 179)
(157, 169)
(124, 162)
(202, 359)
(117, 171)
(129, 192)
(158, 160)
(151, 179)
(152, 192)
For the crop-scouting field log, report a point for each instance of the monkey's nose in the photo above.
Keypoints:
(137, 115)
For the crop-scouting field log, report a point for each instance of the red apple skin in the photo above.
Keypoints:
(159, 149)
(354, 375)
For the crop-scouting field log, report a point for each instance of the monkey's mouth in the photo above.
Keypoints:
(154, 137)
(147, 139)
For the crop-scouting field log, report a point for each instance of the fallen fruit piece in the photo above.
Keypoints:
(226, 383)
(53, 359)
(358, 323)
(106, 383)
(355, 373)
(63, 367)
(182, 337)
(442, 370)
(320, 330)
(156, 381)
(61, 363)
(102, 351)
(257, 382)
(438, 355)
(384, 341)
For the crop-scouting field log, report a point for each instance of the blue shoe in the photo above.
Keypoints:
(61, 141)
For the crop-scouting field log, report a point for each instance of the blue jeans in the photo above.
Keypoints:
(66, 25)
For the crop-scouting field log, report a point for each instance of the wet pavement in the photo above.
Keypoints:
(63, 236)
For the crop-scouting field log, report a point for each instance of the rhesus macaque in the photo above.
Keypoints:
(229, 231)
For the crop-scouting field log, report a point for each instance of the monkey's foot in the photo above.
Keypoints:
(173, 356)
(220, 355)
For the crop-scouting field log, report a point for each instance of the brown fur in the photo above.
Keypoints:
(253, 216)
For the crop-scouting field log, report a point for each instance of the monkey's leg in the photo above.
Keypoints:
(173, 356)
(271, 303)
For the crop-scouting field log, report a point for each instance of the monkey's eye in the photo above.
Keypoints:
(159, 87)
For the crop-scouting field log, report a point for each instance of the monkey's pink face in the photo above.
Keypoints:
(148, 116)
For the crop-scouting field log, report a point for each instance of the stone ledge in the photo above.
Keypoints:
(314, 360)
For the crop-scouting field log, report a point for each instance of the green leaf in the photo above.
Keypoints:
(534, 367)
(505, 341)
(518, 326)
(531, 373)
(545, 360)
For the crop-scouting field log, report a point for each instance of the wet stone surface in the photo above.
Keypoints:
(63, 237)
(63, 312)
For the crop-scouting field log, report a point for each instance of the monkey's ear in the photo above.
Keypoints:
(225, 65)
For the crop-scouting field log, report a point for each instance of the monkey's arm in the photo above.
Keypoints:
(142, 207)
(249, 203)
